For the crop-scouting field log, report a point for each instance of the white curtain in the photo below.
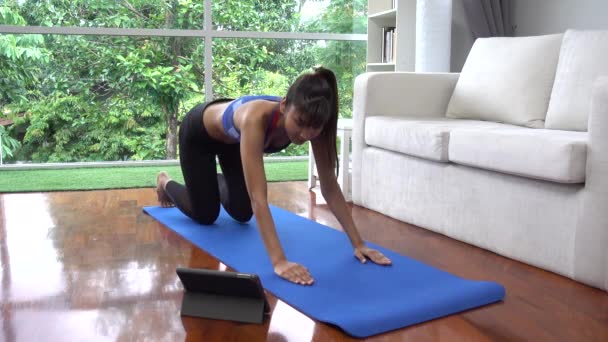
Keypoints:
(433, 35)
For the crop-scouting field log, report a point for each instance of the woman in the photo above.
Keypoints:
(239, 132)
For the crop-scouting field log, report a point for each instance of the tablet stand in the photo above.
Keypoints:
(223, 295)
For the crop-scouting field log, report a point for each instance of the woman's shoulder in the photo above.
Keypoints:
(254, 110)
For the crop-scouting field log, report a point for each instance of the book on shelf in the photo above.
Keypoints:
(394, 46)
(389, 44)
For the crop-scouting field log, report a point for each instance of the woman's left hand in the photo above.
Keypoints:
(375, 256)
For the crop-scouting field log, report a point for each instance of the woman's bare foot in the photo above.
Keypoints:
(161, 183)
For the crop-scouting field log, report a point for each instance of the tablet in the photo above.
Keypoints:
(223, 295)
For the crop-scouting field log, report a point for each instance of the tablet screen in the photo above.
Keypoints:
(221, 282)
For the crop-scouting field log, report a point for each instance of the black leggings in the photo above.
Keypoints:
(205, 189)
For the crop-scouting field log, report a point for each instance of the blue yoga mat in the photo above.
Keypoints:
(362, 299)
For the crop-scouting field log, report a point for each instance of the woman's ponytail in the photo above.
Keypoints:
(330, 128)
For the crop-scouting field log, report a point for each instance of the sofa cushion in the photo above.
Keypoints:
(507, 79)
(425, 138)
(582, 59)
(558, 156)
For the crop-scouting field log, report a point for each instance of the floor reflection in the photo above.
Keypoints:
(96, 268)
(290, 324)
(34, 259)
(86, 270)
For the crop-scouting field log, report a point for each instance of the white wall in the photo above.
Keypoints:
(536, 17)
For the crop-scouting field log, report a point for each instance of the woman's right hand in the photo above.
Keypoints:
(293, 272)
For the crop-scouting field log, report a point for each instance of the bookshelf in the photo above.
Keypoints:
(383, 16)
(421, 38)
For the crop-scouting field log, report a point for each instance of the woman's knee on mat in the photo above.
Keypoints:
(242, 214)
(205, 217)
(236, 202)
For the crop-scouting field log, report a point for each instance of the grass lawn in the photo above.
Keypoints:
(120, 177)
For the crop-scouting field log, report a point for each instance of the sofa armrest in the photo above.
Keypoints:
(403, 93)
(591, 245)
(395, 94)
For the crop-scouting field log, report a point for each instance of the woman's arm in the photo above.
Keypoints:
(252, 149)
(337, 204)
(333, 194)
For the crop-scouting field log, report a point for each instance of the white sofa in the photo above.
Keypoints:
(510, 155)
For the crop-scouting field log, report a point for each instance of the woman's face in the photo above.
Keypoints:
(298, 133)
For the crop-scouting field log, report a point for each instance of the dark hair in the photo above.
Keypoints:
(315, 97)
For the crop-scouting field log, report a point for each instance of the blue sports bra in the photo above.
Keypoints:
(228, 116)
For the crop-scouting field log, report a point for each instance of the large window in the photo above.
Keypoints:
(151, 14)
(110, 80)
(277, 62)
(99, 98)
(333, 16)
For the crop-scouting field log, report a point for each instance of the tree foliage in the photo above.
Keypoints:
(92, 98)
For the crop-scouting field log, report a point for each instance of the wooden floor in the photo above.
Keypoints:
(90, 266)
